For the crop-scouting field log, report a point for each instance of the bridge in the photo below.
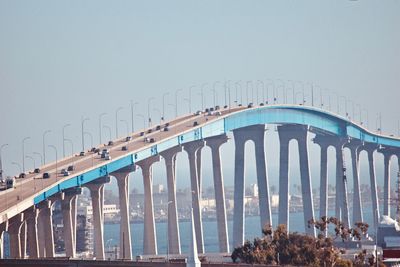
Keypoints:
(27, 209)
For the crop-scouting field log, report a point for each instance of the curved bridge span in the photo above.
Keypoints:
(27, 209)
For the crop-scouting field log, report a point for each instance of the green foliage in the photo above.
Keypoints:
(281, 247)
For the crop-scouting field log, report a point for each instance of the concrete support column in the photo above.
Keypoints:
(14, 231)
(342, 209)
(374, 191)
(125, 243)
(386, 183)
(46, 237)
(149, 240)
(284, 139)
(23, 237)
(192, 149)
(355, 162)
(95, 188)
(215, 143)
(258, 137)
(174, 246)
(238, 211)
(306, 188)
(32, 227)
(3, 229)
(323, 184)
(67, 213)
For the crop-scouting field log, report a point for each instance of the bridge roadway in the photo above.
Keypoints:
(16, 200)
(295, 122)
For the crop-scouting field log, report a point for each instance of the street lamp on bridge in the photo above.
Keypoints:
(215, 92)
(55, 149)
(148, 109)
(100, 127)
(132, 115)
(23, 153)
(109, 130)
(116, 121)
(63, 137)
(83, 132)
(40, 155)
(176, 102)
(163, 105)
(44, 145)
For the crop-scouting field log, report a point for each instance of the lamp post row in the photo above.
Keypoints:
(364, 120)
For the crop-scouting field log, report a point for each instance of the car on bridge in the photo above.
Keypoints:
(46, 175)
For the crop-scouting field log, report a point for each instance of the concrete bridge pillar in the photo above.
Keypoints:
(386, 182)
(23, 240)
(284, 139)
(31, 219)
(374, 192)
(125, 243)
(96, 190)
(215, 143)
(238, 209)
(14, 231)
(324, 142)
(174, 246)
(342, 208)
(45, 226)
(355, 149)
(3, 229)
(149, 240)
(192, 149)
(69, 216)
(299, 133)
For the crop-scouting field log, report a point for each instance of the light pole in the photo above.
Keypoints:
(247, 91)
(190, 98)
(23, 153)
(18, 165)
(159, 113)
(148, 109)
(176, 102)
(55, 149)
(109, 130)
(215, 92)
(132, 115)
(236, 92)
(63, 136)
(40, 155)
(312, 93)
(302, 91)
(100, 127)
(293, 93)
(127, 126)
(359, 111)
(187, 100)
(263, 91)
(144, 121)
(83, 131)
(116, 121)
(44, 145)
(72, 146)
(34, 161)
(281, 86)
(163, 105)
(1, 165)
(227, 89)
(202, 95)
(267, 87)
(345, 105)
(91, 138)
(367, 119)
(337, 102)
(352, 110)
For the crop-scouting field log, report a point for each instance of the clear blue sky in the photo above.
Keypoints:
(60, 60)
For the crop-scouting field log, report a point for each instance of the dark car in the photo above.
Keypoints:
(37, 170)
(22, 175)
(195, 123)
(226, 106)
(71, 168)
(167, 124)
(250, 105)
(166, 129)
(149, 130)
(206, 110)
(82, 153)
(217, 107)
(261, 104)
(141, 133)
(46, 175)
(110, 143)
(128, 138)
(211, 109)
(152, 140)
(124, 148)
(158, 127)
(93, 149)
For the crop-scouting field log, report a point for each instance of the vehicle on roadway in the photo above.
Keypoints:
(10, 182)
(46, 175)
